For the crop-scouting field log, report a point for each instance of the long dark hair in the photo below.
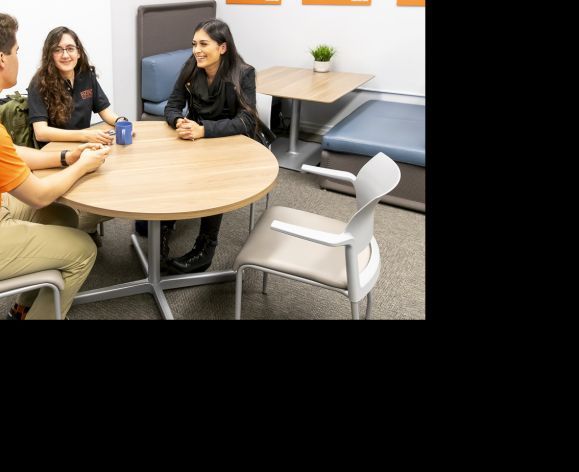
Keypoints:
(232, 65)
(51, 86)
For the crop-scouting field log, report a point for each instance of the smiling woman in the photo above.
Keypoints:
(36, 19)
(219, 88)
(63, 95)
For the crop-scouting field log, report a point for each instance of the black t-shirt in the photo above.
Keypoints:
(88, 98)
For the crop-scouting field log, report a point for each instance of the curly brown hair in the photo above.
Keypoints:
(51, 86)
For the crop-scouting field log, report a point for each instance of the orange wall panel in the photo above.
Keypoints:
(411, 3)
(255, 2)
(337, 2)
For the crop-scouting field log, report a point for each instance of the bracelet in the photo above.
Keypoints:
(63, 162)
(121, 118)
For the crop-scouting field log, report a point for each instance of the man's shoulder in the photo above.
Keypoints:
(6, 143)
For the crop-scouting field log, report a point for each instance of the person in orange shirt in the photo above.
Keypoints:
(30, 238)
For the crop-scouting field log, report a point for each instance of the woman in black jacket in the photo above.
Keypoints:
(219, 88)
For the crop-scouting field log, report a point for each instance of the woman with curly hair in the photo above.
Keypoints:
(62, 97)
(65, 92)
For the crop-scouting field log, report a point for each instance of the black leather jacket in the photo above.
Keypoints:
(240, 121)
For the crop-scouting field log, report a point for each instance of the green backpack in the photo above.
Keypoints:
(14, 117)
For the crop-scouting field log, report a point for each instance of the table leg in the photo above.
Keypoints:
(295, 126)
(293, 153)
(154, 260)
(154, 284)
(140, 253)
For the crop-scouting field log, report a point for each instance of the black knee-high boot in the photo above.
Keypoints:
(200, 257)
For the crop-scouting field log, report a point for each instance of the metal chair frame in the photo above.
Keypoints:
(376, 179)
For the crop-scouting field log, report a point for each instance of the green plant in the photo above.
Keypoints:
(323, 53)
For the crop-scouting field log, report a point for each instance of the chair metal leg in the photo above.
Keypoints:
(369, 305)
(251, 217)
(57, 308)
(356, 311)
(267, 201)
(265, 280)
(238, 294)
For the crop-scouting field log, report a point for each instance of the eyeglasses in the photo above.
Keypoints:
(70, 50)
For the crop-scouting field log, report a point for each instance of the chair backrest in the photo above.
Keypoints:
(264, 108)
(377, 178)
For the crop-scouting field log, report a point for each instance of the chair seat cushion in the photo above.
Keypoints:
(280, 252)
(159, 74)
(396, 129)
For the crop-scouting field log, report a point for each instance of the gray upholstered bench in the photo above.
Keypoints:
(159, 74)
(397, 130)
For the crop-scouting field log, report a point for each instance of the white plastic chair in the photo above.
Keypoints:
(26, 283)
(322, 251)
(264, 113)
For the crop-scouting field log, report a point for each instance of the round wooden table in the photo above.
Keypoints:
(161, 177)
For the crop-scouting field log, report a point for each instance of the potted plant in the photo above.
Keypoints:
(322, 55)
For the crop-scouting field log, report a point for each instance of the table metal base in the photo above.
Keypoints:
(154, 284)
(306, 153)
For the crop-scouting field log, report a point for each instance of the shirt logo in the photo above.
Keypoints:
(86, 94)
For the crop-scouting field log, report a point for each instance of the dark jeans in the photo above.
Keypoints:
(210, 226)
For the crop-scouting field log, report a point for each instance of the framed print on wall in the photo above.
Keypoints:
(337, 2)
(254, 2)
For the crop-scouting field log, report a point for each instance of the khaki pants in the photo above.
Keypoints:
(88, 222)
(28, 244)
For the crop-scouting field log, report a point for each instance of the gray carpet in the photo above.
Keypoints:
(399, 293)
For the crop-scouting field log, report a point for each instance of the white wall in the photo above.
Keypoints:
(124, 30)
(36, 19)
(382, 39)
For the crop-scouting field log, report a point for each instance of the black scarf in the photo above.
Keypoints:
(207, 102)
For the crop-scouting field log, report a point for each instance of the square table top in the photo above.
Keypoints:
(305, 84)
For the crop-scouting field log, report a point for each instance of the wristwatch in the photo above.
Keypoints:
(63, 162)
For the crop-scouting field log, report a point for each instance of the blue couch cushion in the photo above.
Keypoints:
(160, 72)
(396, 129)
(157, 109)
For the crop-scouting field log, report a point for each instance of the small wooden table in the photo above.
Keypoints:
(304, 84)
(161, 177)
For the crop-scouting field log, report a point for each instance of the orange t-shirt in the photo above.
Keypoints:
(13, 170)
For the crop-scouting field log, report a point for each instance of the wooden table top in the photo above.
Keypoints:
(305, 84)
(161, 177)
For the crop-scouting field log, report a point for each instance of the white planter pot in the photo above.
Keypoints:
(321, 66)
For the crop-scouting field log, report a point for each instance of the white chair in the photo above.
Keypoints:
(327, 253)
(264, 113)
(26, 283)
